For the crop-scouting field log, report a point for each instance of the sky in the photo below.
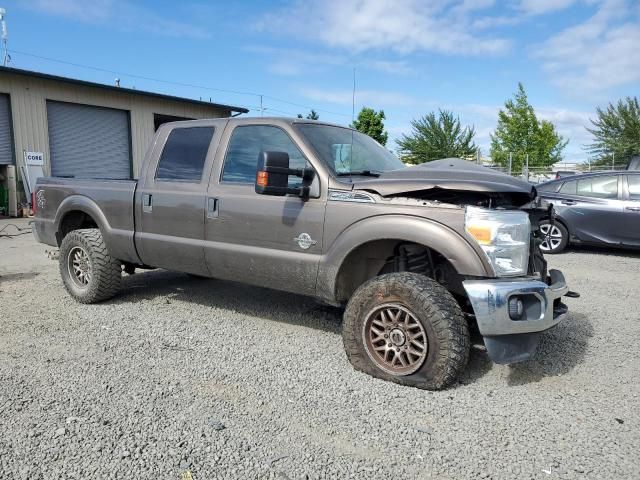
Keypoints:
(410, 57)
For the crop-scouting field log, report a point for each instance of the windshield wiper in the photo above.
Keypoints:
(363, 173)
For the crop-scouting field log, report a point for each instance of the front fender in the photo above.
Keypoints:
(120, 243)
(437, 236)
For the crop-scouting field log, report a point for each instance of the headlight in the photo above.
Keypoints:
(504, 236)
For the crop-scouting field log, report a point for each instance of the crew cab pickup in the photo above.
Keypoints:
(419, 256)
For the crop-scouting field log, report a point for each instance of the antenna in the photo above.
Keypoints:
(353, 97)
(4, 35)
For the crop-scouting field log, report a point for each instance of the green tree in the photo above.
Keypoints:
(312, 115)
(371, 123)
(616, 131)
(433, 137)
(520, 133)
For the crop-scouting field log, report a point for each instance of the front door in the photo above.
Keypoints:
(259, 239)
(171, 201)
(593, 208)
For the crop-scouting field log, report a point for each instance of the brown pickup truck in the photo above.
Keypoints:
(418, 256)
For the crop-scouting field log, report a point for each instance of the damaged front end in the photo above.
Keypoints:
(502, 216)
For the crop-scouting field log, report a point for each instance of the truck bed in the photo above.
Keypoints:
(108, 202)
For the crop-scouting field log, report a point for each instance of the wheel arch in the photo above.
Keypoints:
(361, 250)
(78, 211)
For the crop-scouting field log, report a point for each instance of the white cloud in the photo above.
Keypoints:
(596, 55)
(120, 14)
(541, 7)
(403, 26)
(290, 62)
(372, 98)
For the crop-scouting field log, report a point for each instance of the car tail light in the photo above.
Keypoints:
(34, 204)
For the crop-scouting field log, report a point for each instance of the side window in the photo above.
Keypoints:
(246, 144)
(599, 187)
(548, 187)
(634, 187)
(569, 188)
(184, 154)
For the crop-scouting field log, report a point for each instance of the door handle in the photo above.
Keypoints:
(213, 205)
(147, 203)
(568, 202)
(632, 209)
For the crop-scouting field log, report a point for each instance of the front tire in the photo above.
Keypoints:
(408, 329)
(88, 272)
(555, 237)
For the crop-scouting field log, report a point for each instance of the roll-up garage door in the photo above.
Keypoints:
(6, 142)
(88, 142)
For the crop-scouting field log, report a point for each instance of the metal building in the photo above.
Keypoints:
(83, 129)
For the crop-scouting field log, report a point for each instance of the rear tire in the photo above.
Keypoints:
(88, 272)
(424, 341)
(555, 237)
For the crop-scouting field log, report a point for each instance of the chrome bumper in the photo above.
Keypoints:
(509, 340)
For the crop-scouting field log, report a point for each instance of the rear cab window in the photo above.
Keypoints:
(184, 154)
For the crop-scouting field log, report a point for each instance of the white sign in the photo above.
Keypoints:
(33, 158)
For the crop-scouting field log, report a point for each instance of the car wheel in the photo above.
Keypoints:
(406, 328)
(555, 237)
(88, 272)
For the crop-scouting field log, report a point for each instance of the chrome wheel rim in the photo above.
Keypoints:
(79, 267)
(551, 237)
(394, 339)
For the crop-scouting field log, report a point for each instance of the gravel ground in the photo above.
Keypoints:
(183, 378)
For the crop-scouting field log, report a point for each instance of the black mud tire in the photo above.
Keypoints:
(433, 306)
(106, 271)
(555, 244)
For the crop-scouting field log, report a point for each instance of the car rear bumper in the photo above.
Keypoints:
(508, 340)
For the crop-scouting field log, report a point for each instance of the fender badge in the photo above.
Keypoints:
(305, 241)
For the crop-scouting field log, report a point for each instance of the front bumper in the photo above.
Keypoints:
(507, 340)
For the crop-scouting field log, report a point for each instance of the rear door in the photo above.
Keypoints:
(631, 234)
(593, 208)
(260, 239)
(171, 199)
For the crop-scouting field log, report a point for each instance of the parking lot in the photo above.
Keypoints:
(222, 380)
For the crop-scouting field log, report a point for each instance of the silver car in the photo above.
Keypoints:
(593, 208)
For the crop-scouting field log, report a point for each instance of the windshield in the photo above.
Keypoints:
(334, 147)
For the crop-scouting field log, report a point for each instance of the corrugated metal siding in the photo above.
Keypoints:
(6, 142)
(88, 142)
(28, 107)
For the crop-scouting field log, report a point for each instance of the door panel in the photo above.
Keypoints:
(263, 240)
(172, 198)
(253, 239)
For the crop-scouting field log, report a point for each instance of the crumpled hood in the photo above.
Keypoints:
(447, 174)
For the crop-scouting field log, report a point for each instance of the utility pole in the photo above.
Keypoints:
(510, 162)
(261, 109)
(4, 35)
(527, 167)
(478, 156)
(613, 161)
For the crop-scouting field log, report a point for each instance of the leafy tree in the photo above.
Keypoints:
(438, 137)
(520, 133)
(616, 131)
(371, 123)
(312, 115)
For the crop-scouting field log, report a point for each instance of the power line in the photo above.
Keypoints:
(180, 84)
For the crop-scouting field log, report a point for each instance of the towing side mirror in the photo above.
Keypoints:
(272, 176)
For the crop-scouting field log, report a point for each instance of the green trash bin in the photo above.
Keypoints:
(4, 200)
